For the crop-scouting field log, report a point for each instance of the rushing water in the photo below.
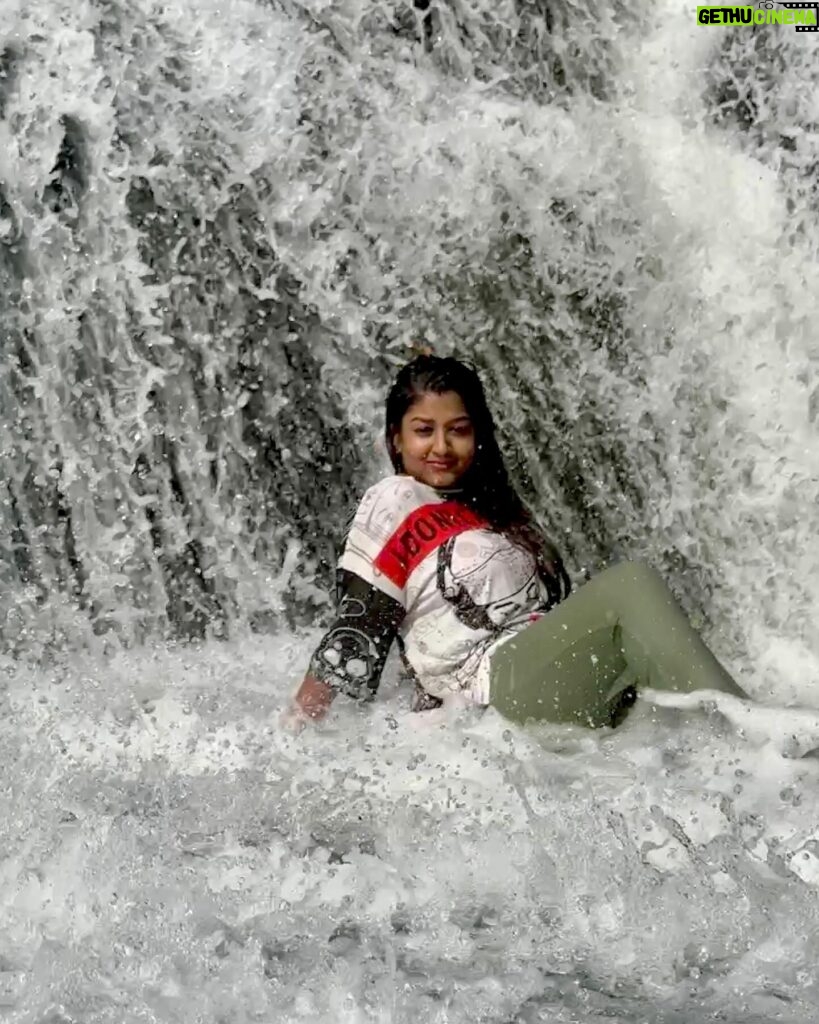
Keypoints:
(221, 227)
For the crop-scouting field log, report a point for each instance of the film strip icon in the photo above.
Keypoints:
(768, 5)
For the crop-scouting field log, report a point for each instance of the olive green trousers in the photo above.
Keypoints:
(585, 660)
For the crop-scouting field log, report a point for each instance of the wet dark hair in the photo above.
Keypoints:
(485, 486)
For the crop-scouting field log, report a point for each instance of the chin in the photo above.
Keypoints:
(442, 478)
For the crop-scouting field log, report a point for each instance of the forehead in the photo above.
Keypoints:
(446, 406)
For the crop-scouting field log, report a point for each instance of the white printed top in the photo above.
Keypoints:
(425, 569)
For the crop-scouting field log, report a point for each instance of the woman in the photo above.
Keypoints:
(444, 558)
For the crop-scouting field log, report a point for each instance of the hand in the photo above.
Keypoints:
(310, 704)
(293, 719)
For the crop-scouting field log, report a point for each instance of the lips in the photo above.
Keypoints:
(440, 465)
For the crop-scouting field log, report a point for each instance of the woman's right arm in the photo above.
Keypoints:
(351, 655)
(370, 608)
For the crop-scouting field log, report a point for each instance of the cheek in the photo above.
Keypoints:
(411, 445)
(466, 448)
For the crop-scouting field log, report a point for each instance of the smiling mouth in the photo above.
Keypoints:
(440, 465)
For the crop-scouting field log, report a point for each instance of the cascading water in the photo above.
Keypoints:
(221, 227)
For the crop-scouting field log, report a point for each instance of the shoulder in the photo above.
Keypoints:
(391, 500)
(399, 488)
(382, 510)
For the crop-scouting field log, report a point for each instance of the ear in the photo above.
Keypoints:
(396, 440)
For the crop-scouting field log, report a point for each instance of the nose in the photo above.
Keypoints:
(440, 442)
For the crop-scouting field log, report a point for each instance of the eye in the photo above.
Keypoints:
(463, 430)
(423, 431)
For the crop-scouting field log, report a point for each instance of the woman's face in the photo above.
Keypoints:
(436, 441)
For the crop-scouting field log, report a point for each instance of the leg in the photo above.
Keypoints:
(577, 664)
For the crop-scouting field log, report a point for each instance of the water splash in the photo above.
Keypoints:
(168, 853)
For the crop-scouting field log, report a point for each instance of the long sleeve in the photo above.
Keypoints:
(352, 653)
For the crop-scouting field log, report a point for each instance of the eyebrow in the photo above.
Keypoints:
(424, 419)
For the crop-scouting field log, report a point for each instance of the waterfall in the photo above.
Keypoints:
(222, 229)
